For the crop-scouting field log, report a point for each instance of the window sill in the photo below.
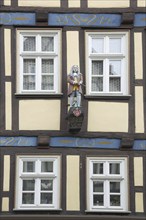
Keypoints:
(107, 97)
(108, 211)
(38, 95)
(37, 209)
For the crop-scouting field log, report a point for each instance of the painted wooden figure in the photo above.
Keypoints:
(75, 80)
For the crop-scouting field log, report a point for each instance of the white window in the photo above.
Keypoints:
(38, 182)
(107, 63)
(107, 185)
(38, 61)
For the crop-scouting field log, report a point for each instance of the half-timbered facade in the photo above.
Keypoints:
(86, 162)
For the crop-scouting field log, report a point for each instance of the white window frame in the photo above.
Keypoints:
(105, 57)
(106, 178)
(37, 176)
(38, 55)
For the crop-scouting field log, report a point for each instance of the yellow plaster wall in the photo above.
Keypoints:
(107, 117)
(139, 110)
(74, 3)
(73, 184)
(108, 3)
(141, 3)
(7, 2)
(7, 51)
(5, 204)
(39, 114)
(72, 49)
(44, 3)
(6, 175)
(139, 202)
(138, 55)
(8, 106)
(138, 171)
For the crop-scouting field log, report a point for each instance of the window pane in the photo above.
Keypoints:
(28, 198)
(47, 66)
(115, 200)
(29, 44)
(97, 84)
(46, 198)
(115, 84)
(97, 186)
(47, 82)
(97, 45)
(47, 166)
(115, 187)
(98, 200)
(114, 168)
(48, 44)
(115, 67)
(28, 185)
(28, 166)
(97, 168)
(29, 66)
(46, 185)
(29, 82)
(115, 45)
(97, 67)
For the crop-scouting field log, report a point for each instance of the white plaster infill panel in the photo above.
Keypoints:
(6, 177)
(107, 117)
(5, 204)
(108, 3)
(139, 203)
(72, 49)
(7, 48)
(74, 3)
(138, 171)
(138, 54)
(39, 115)
(141, 3)
(73, 183)
(41, 3)
(7, 2)
(139, 109)
(8, 106)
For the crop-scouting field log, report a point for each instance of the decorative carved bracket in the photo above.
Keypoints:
(75, 119)
(41, 17)
(127, 142)
(127, 18)
(43, 141)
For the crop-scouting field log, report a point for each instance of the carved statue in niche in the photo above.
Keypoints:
(75, 80)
